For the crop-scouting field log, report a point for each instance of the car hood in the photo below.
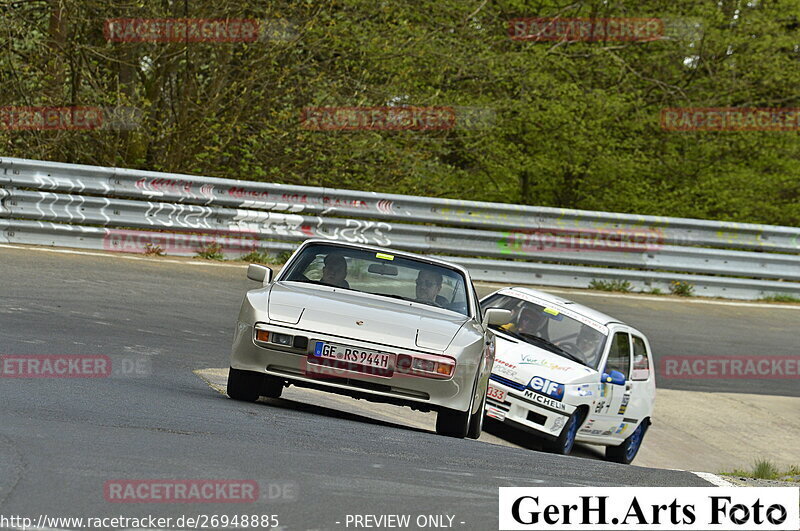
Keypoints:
(519, 361)
(363, 316)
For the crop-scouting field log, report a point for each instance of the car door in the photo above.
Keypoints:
(642, 381)
(610, 410)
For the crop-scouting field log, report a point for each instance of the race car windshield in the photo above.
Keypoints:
(550, 329)
(382, 274)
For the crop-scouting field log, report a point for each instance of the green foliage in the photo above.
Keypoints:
(213, 251)
(153, 250)
(781, 297)
(681, 288)
(261, 257)
(575, 125)
(611, 285)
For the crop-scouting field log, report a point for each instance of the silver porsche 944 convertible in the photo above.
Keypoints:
(370, 323)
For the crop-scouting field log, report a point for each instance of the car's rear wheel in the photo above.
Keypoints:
(626, 452)
(566, 440)
(455, 423)
(247, 386)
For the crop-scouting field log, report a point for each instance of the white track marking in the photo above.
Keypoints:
(714, 479)
(123, 256)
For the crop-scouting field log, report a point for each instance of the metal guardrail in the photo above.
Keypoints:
(51, 203)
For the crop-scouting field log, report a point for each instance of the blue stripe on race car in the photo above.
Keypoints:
(506, 381)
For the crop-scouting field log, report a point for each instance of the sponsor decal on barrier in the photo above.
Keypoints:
(565, 240)
(730, 119)
(657, 508)
(730, 367)
(620, 29)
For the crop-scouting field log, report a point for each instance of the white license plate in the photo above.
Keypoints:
(359, 356)
(496, 394)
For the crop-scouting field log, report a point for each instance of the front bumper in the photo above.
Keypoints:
(400, 388)
(528, 410)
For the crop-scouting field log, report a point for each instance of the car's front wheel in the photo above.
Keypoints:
(563, 444)
(625, 452)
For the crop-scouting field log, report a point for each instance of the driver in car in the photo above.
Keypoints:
(530, 321)
(429, 283)
(334, 271)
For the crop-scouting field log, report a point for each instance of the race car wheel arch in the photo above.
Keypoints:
(476, 422)
(565, 441)
(453, 423)
(626, 452)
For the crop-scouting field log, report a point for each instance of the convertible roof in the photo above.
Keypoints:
(592, 314)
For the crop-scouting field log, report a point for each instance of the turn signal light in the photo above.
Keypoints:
(262, 335)
(444, 369)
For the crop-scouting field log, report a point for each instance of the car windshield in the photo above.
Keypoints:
(380, 273)
(550, 329)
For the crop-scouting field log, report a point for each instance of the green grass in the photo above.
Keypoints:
(611, 285)
(261, 257)
(211, 252)
(765, 469)
(681, 288)
(781, 297)
(655, 291)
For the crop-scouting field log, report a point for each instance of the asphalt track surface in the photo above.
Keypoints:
(61, 440)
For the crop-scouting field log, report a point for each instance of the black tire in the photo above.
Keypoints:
(452, 423)
(626, 452)
(566, 439)
(476, 421)
(271, 387)
(244, 385)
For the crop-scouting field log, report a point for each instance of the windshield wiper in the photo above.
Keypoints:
(551, 347)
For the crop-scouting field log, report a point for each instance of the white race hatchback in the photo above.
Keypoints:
(565, 372)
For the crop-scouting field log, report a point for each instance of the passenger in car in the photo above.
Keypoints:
(334, 271)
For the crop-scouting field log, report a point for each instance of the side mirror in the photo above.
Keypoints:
(496, 317)
(614, 378)
(259, 273)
